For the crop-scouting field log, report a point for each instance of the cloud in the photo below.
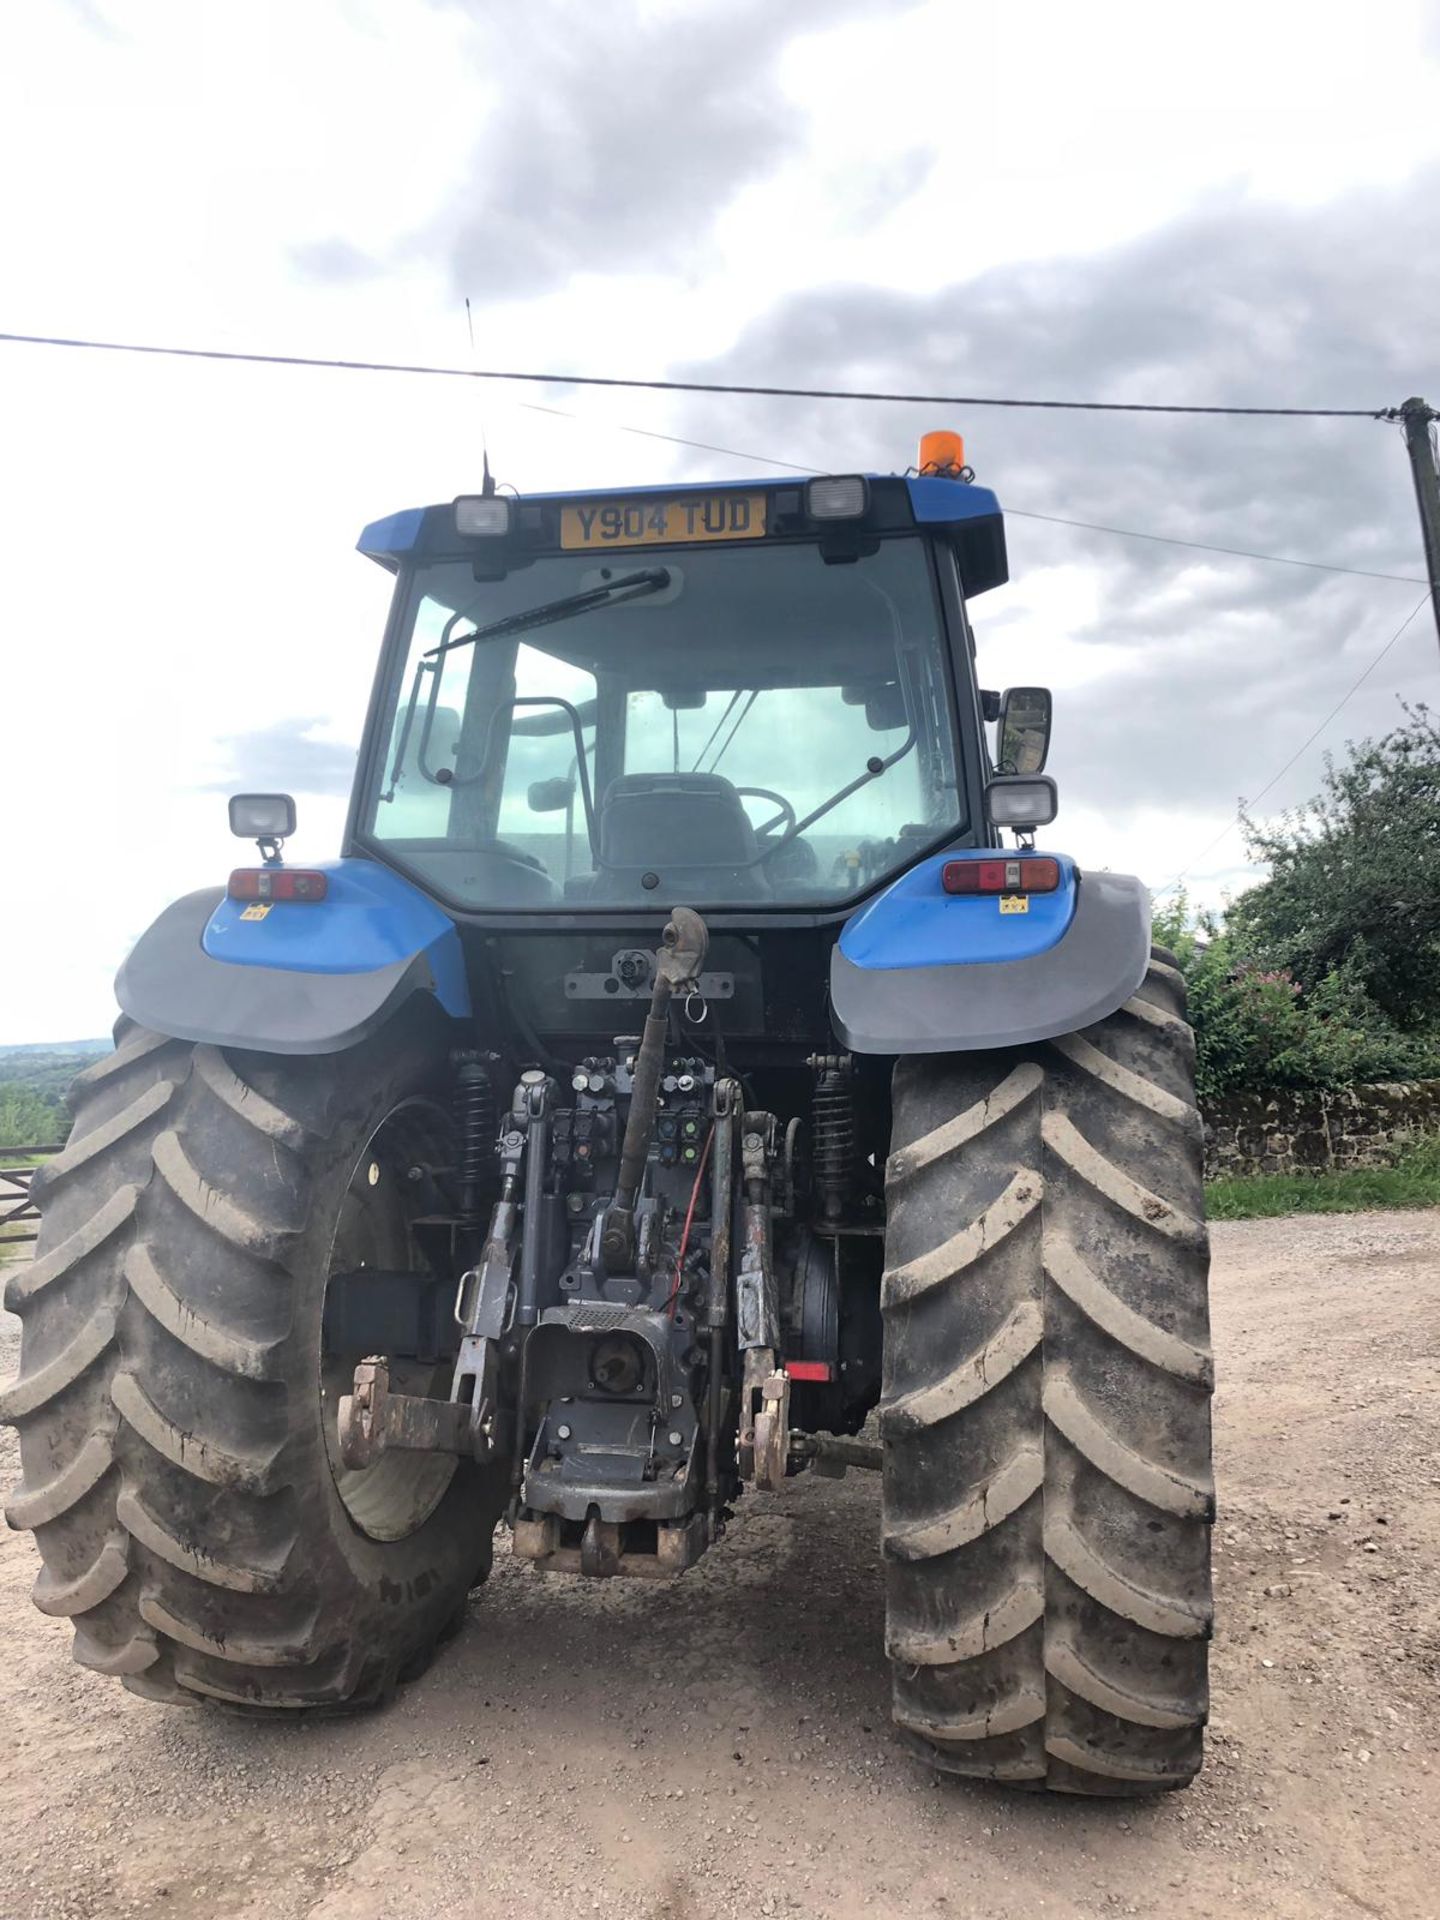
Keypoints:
(94, 17)
(1216, 668)
(615, 138)
(337, 261)
(869, 190)
(284, 757)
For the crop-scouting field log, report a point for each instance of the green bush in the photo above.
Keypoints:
(29, 1118)
(1257, 1027)
(1327, 973)
(1353, 881)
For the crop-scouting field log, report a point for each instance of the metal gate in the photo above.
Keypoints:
(18, 1213)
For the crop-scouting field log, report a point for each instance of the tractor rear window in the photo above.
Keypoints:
(730, 726)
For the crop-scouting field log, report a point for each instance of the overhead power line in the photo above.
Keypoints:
(686, 386)
(1019, 513)
(767, 460)
(1305, 745)
(1207, 546)
(671, 439)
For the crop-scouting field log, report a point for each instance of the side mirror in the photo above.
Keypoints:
(551, 796)
(885, 708)
(1023, 801)
(884, 704)
(1025, 714)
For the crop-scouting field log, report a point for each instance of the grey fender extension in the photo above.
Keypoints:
(171, 985)
(959, 1009)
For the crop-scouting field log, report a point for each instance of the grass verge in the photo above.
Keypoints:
(1413, 1180)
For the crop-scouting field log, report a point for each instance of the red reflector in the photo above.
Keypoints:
(1039, 875)
(820, 1370)
(277, 883)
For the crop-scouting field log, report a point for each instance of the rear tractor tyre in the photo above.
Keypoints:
(175, 1402)
(1048, 1492)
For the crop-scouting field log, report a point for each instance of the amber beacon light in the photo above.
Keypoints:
(941, 452)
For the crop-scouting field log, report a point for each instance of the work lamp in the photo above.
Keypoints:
(483, 515)
(837, 497)
(262, 816)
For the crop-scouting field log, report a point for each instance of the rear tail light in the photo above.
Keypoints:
(1035, 875)
(818, 1371)
(277, 883)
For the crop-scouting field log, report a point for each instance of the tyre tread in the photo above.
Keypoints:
(159, 1364)
(1046, 1527)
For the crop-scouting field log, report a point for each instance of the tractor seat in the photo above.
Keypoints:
(680, 824)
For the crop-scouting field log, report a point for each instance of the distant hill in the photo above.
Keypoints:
(50, 1066)
(55, 1046)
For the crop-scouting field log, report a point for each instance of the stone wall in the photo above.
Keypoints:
(1302, 1130)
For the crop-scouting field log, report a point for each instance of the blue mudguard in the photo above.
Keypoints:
(296, 976)
(918, 970)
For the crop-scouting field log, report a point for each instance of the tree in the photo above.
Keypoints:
(30, 1119)
(1328, 972)
(1353, 893)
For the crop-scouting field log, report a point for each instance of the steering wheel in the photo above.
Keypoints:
(787, 816)
(507, 850)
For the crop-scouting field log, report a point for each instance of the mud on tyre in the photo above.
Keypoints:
(1046, 1411)
(174, 1405)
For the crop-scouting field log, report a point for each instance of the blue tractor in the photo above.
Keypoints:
(676, 1074)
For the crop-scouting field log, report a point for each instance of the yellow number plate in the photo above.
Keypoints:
(1014, 903)
(654, 523)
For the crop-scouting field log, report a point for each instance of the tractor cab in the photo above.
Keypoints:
(750, 697)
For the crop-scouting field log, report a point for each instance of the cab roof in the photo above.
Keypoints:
(935, 503)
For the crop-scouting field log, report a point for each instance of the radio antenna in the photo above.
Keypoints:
(487, 482)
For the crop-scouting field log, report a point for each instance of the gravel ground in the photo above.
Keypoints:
(722, 1746)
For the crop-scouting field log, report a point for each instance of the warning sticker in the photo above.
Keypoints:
(262, 907)
(1014, 903)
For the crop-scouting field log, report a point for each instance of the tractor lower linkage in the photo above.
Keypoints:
(622, 1343)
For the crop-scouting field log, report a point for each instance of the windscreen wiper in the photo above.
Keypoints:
(874, 768)
(629, 586)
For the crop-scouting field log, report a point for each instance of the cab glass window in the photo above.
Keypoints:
(746, 726)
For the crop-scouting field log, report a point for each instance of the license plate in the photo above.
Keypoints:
(652, 523)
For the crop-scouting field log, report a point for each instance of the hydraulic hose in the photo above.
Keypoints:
(679, 961)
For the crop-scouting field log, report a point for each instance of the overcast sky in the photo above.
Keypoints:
(1231, 203)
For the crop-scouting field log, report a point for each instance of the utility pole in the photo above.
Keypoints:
(1418, 419)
